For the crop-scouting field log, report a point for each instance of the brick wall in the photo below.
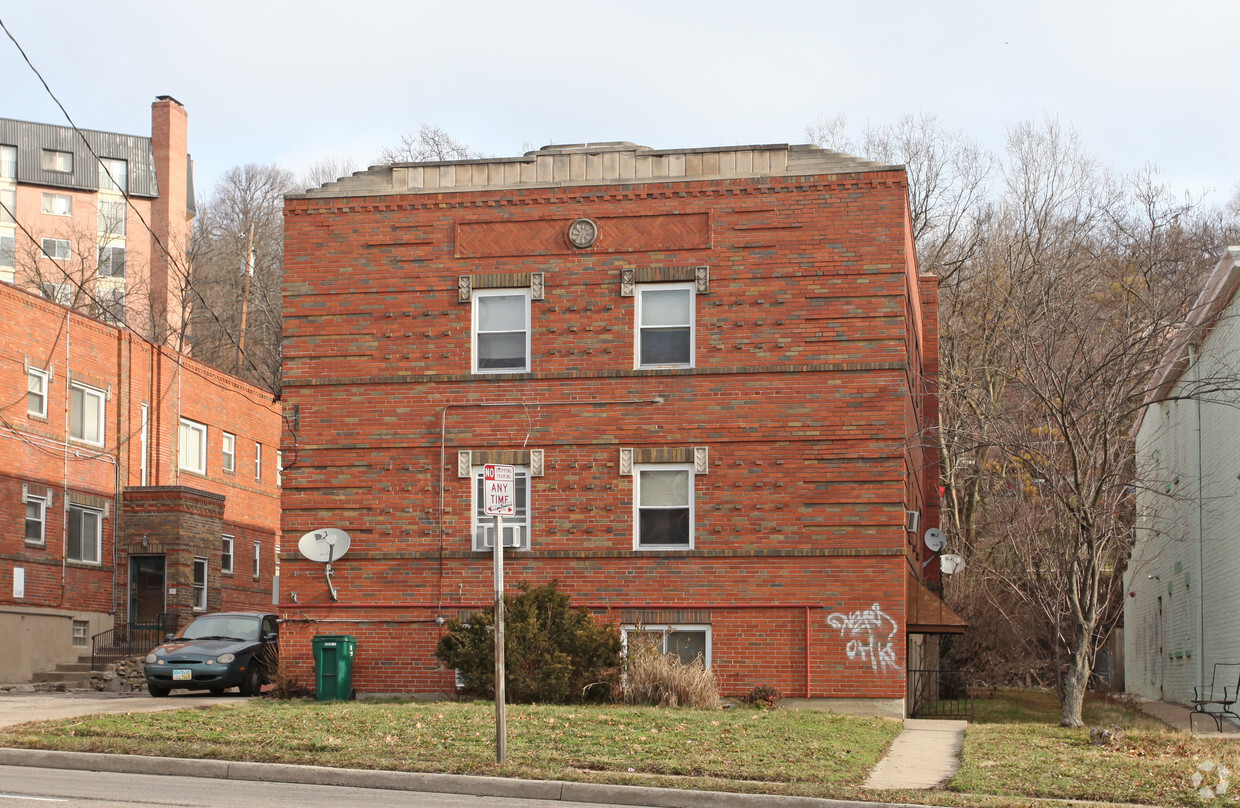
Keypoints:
(808, 391)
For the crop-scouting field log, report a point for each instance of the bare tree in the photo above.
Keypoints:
(430, 144)
(329, 169)
(238, 269)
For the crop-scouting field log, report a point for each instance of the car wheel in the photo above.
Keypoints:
(253, 683)
(157, 691)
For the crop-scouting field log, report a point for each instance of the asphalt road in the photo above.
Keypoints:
(27, 787)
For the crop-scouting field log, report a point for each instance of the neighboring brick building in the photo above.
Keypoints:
(1183, 610)
(713, 368)
(96, 422)
(90, 206)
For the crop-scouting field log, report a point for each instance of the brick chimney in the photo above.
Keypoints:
(170, 216)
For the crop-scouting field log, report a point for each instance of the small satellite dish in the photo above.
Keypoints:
(950, 564)
(324, 546)
(935, 539)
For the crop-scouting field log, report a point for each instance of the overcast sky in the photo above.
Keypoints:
(269, 81)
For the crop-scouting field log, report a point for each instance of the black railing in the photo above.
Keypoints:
(941, 693)
(130, 639)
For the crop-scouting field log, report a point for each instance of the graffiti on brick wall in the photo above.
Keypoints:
(871, 636)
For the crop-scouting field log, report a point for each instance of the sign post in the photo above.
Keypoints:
(499, 485)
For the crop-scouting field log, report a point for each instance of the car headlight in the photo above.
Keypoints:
(224, 659)
(150, 659)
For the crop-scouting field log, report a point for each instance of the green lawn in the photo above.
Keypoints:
(1015, 753)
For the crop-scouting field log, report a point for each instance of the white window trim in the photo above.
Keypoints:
(142, 443)
(637, 323)
(485, 525)
(258, 555)
(83, 636)
(473, 329)
(638, 468)
(228, 452)
(43, 375)
(279, 468)
(258, 460)
(53, 156)
(57, 254)
(666, 629)
(98, 516)
(231, 555)
(200, 430)
(87, 390)
(42, 503)
(200, 595)
(47, 204)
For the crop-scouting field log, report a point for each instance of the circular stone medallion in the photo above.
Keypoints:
(582, 233)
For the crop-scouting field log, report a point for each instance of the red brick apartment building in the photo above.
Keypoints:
(104, 218)
(713, 369)
(136, 484)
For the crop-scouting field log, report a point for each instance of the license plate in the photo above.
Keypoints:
(182, 675)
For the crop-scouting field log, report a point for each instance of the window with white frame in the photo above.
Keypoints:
(227, 550)
(81, 633)
(8, 162)
(36, 519)
(688, 643)
(663, 501)
(58, 161)
(36, 392)
(113, 175)
(192, 446)
(279, 468)
(200, 584)
(8, 251)
(516, 528)
(110, 305)
(61, 293)
(501, 330)
(58, 204)
(111, 217)
(258, 554)
(86, 413)
(228, 451)
(143, 438)
(665, 332)
(85, 534)
(111, 261)
(8, 205)
(258, 460)
(57, 248)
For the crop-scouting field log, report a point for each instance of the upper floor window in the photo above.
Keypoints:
(111, 217)
(8, 162)
(36, 392)
(226, 554)
(663, 500)
(57, 248)
(501, 331)
(111, 262)
(258, 460)
(58, 204)
(258, 555)
(516, 528)
(192, 446)
(228, 451)
(8, 205)
(665, 325)
(8, 251)
(86, 411)
(36, 519)
(279, 468)
(113, 175)
(85, 533)
(59, 161)
(200, 584)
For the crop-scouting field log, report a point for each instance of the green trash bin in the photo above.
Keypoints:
(333, 666)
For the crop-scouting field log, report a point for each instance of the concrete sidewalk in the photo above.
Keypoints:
(925, 755)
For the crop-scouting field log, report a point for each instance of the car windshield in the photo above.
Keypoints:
(222, 626)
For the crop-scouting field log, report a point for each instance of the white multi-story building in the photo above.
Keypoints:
(1182, 613)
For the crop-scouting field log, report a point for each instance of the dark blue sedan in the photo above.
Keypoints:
(216, 652)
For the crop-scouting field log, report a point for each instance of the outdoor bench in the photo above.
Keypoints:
(1217, 699)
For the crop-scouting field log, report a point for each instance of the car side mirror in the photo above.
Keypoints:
(169, 637)
(271, 637)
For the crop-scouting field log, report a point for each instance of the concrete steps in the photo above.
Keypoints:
(70, 674)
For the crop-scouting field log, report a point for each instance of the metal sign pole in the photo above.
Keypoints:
(501, 739)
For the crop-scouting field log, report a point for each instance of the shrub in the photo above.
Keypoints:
(651, 677)
(553, 652)
(763, 696)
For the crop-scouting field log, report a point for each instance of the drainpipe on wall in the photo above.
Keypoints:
(1193, 358)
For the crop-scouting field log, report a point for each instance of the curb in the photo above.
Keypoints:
(466, 785)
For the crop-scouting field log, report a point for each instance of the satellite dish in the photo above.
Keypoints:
(950, 564)
(935, 539)
(324, 546)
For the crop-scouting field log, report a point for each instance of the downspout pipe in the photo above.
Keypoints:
(1194, 356)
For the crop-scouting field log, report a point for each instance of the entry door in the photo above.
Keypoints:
(146, 590)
